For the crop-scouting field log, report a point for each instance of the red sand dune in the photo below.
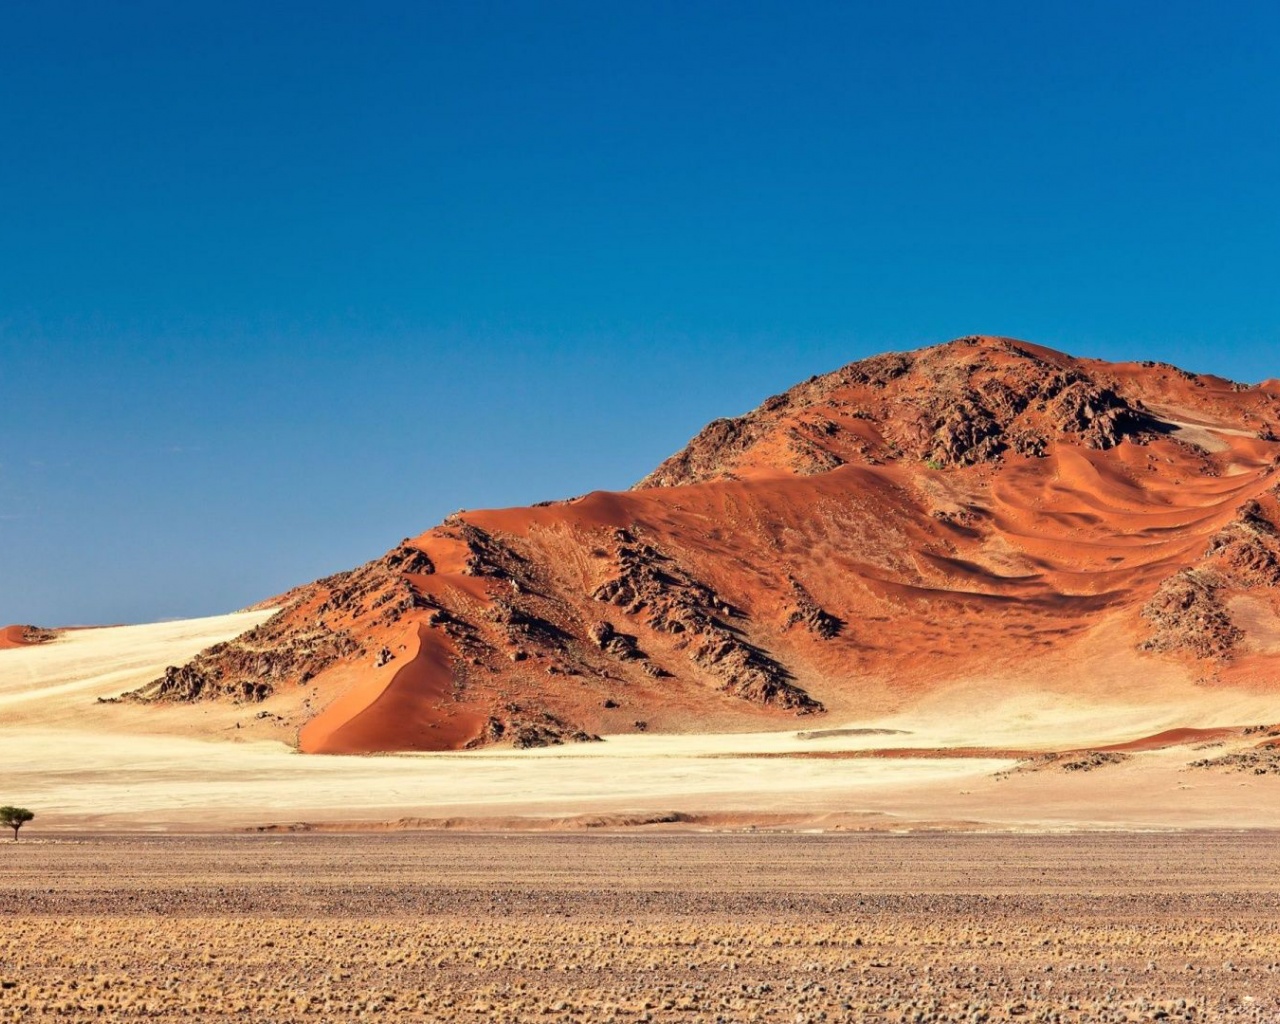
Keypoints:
(986, 510)
(1172, 738)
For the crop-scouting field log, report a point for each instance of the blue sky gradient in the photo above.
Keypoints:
(281, 284)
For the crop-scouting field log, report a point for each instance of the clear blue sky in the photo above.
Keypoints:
(282, 283)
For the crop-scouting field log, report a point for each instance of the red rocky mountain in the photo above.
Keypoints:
(986, 516)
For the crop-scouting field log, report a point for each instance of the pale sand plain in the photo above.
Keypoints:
(85, 764)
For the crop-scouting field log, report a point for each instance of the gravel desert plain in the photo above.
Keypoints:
(940, 688)
(643, 927)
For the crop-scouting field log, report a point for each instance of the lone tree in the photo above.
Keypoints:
(15, 818)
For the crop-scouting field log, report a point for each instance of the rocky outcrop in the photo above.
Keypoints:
(486, 554)
(189, 682)
(253, 666)
(35, 635)
(1070, 761)
(1187, 614)
(877, 372)
(649, 583)
(1262, 761)
(985, 416)
(520, 626)
(970, 402)
(967, 433)
(808, 454)
(385, 583)
(1248, 549)
(622, 646)
(806, 612)
(526, 728)
(705, 455)
(747, 671)
(1097, 415)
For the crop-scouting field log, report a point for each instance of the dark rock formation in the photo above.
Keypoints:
(527, 728)
(674, 602)
(1248, 549)
(253, 666)
(1263, 761)
(37, 635)
(520, 625)
(621, 645)
(1187, 614)
(965, 403)
(808, 614)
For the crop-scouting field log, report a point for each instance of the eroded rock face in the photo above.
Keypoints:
(1187, 614)
(706, 454)
(809, 455)
(526, 728)
(748, 672)
(385, 583)
(299, 642)
(1189, 611)
(966, 433)
(808, 614)
(520, 626)
(969, 402)
(621, 645)
(1248, 549)
(975, 417)
(486, 555)
(649, 583)
(251, 667)
(1100, 417)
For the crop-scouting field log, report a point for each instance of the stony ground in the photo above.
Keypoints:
(642, 927)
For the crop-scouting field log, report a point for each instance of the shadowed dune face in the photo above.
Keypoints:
(970, 522)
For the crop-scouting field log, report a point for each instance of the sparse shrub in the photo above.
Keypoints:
(15, 818)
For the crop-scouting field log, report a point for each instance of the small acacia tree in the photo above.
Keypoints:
(15, 818)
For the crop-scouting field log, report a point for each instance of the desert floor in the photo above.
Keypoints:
(952, 763)
(642, 927)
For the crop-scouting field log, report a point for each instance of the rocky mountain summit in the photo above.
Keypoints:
(982, 510)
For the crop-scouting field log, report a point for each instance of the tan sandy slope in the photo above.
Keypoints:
(83, 763)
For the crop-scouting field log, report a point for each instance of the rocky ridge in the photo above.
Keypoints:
(1189, 612)
(961, 404)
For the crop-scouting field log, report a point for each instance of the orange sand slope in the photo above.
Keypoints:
(959, 526)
